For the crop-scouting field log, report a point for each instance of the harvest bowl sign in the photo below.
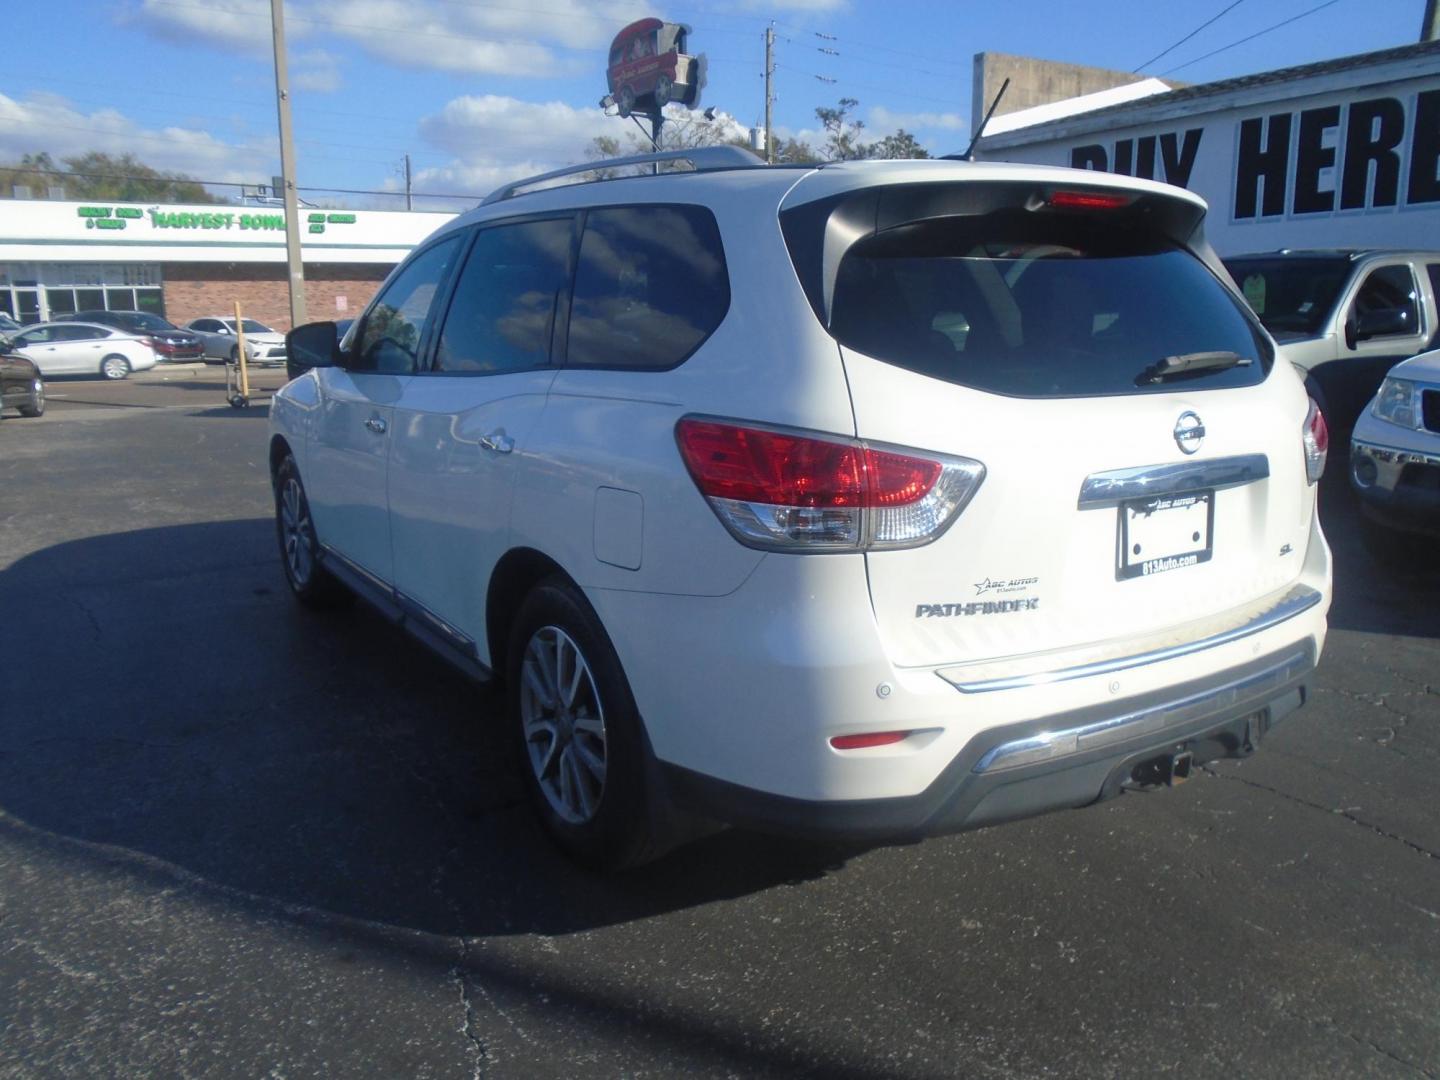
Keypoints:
(119, 217)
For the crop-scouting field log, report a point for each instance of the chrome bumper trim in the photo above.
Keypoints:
(1299, 599)
(1393, 455)
(1118, 485)
(1050, 745)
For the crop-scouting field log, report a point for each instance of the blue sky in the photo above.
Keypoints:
(479, 92)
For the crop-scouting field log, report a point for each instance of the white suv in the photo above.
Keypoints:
(879, 498)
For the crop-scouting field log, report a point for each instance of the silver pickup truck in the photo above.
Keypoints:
(1345, 318)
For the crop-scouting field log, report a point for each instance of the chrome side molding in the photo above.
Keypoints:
(1299, 599)
(1119, 485)
(1051, 745)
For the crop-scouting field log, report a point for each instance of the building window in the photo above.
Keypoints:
(40, 292)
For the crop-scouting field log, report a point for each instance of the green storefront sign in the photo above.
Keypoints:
(116, 217)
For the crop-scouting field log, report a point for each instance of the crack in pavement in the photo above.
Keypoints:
(1339, 811)
(1326, 1024)
(479, 1052)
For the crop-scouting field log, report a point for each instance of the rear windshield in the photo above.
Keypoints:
(1293, 297)
(1042, 306)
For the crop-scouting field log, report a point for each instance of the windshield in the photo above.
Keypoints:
(1042, 307)
(142, 320)
(1293, 296)
(251, 326)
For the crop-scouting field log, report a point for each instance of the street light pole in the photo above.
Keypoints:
(287, 168)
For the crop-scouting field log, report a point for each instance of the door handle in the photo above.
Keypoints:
(498, 441)
(376, 425)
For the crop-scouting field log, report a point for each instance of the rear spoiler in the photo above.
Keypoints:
(819, 233)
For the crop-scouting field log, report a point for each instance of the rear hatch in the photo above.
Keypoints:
(1144, 471)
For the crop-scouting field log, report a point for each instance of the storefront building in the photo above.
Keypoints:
(1339, 154)
(187, 262)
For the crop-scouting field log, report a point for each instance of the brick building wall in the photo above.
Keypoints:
(332, 291)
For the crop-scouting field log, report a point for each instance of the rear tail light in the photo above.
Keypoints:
(1315, 437)
(787, 491)
(150, 343)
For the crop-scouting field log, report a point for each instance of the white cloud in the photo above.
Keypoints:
(882, 121)
(48, 122)
(502, 39)
(317, 71)
(494, 140)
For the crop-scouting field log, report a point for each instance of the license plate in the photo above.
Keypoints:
(1166, 532)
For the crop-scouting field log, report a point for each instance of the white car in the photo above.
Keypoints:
(76, 348)
(217, 332)
(875, 499)
(1395, 452)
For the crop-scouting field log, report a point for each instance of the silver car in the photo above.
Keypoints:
(221, 342)
(76, 348)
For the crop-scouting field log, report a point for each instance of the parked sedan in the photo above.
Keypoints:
(217, 332)
(172, 344)
(74, 348)
(8, 325)
(21, 386)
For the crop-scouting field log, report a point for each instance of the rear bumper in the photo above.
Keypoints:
(1222, 715)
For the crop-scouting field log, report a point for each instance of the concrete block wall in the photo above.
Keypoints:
(1035, 82)
(332, 291)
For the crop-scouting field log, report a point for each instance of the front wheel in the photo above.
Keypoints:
(664, 88)
(581, 744)
(36, 405)
(311, 583)
(115, 367)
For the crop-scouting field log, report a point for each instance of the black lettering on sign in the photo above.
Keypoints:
(1373, 129)
(1266, 162)
(1123, 150)
(1424, 186)
(1089, 157)
(1145, 157)
(1178, 165)
(1312, 157)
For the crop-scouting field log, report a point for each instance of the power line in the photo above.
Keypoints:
(1214, 18)
(866, 86)
(1252, 37)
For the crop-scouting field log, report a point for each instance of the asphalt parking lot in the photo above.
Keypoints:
(239, 839)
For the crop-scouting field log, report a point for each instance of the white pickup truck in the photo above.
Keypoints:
(1345, 318)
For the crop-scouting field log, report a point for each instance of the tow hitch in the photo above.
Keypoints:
(1167, 770)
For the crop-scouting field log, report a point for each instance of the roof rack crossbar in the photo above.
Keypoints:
(704, 158)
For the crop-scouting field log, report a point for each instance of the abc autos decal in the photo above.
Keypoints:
(121, 217)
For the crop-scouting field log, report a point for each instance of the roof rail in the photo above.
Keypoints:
(704, 158)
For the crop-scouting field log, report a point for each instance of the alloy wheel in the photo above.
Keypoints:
(296, 531)
(563, 723)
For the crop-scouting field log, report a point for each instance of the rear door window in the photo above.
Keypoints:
(1030, 306)
(503, 309)
(650, 287)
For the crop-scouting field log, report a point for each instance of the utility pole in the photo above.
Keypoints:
(287, 168)
(769, 94)
(1430, 24)
(408, 205)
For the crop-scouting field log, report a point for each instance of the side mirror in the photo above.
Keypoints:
(310, 346)
(223, 329)
(1385, 322)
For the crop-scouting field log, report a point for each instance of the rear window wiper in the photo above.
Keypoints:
(1186, 363)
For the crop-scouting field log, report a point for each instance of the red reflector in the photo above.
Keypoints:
(780, 469)
(870, 738)
(1087, 200)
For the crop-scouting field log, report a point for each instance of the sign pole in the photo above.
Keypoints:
(287, 168)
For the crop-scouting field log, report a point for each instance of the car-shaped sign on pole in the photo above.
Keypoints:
(649, 67)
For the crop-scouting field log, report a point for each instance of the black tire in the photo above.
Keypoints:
(618, 832)
(115, 367)
(663, 89)
(36, 404)
(309, 581)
